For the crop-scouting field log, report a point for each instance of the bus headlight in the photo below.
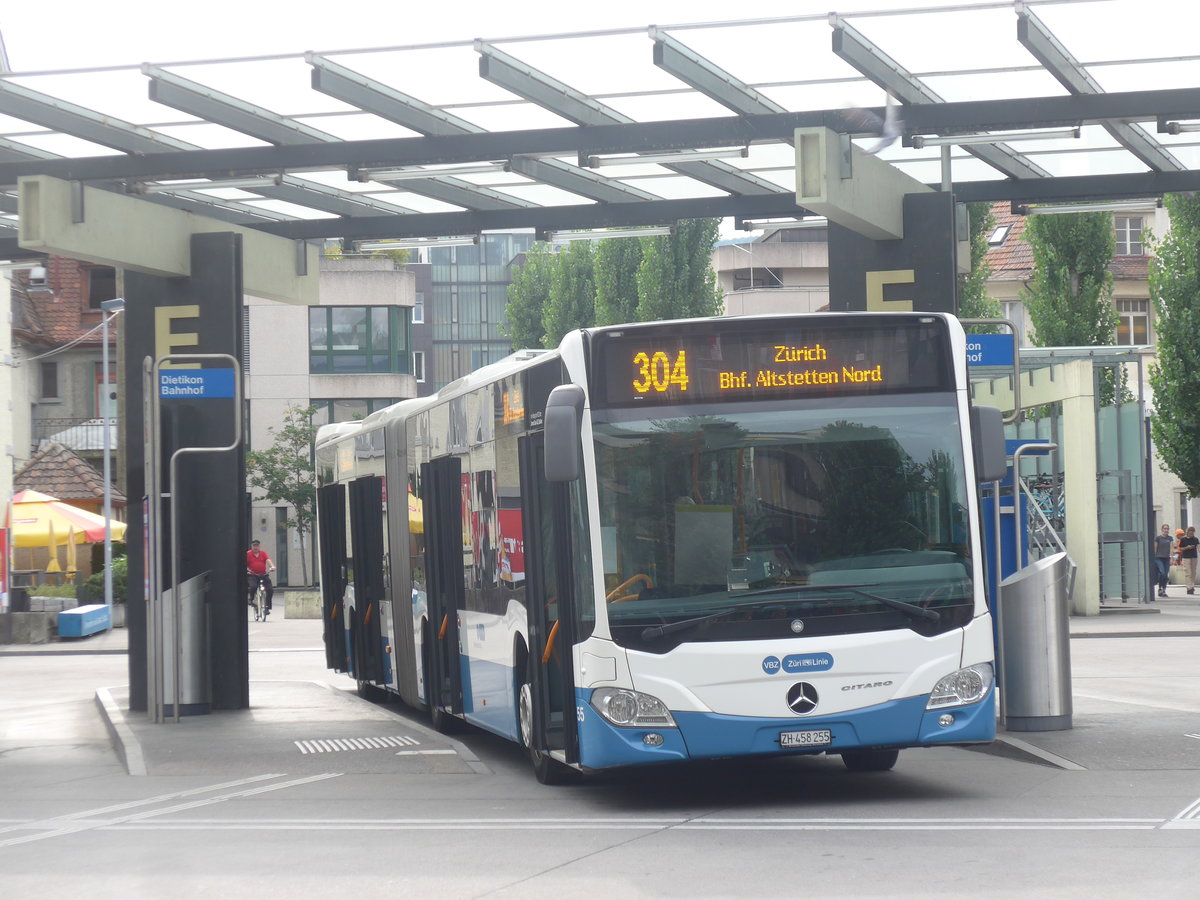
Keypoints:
(969, 685)
(631, 709)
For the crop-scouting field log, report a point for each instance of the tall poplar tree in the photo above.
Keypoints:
(528, 296)
(675, 277)
(616, 265)
(1175, 289)
(572, 293)
(973, 301)
(1069, 299)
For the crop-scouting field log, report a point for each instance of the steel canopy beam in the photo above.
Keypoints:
(1131, 186)
(545, 218)
(214, 106)
(388, 103)
(562, 99)
(1035, 37)
(718, 131)
(691, 68)
(69, 118)
(876, 65)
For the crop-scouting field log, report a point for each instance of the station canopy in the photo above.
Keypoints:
(625, 127)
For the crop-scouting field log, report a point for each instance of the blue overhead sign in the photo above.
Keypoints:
(194, 384)
(989, 350)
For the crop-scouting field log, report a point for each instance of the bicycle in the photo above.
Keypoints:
(260, 601)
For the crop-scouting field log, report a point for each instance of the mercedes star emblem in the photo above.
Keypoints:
(802, 698)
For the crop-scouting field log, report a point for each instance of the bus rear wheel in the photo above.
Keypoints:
(870, 760)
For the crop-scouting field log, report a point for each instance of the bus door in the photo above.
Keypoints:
(366, 540)
(552, 625)
(331, 521)
(442, 480)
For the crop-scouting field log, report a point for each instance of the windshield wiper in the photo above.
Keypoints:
(920, 612)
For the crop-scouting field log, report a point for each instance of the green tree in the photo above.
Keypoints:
(572, 293)
(528, 296)
(284, 472)
(1069, 299)
(675, 277)
(973, 301)
(1175, 289)
(616, 266)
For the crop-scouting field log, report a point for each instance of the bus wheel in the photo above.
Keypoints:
(545, 769)
(870, 760)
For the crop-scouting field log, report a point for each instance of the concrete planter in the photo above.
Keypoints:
(299, 603)
(24, 627)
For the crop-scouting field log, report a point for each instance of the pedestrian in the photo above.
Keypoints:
(259, 567)
(1163, 544)
(1187, 553)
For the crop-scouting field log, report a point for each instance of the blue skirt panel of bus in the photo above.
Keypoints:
(898, 723)
(488, 691)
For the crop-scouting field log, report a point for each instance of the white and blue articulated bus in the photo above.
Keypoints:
(728, 537)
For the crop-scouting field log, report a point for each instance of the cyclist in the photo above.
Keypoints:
(259, 568)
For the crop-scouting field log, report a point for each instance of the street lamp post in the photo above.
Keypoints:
(109, 308)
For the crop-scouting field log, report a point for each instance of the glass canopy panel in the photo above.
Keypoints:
(596, 65)
(209, 136)
(436, 76)
(278, 85)
(357, 126)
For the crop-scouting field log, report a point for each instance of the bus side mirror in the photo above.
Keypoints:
(987, 438)
(564, 408)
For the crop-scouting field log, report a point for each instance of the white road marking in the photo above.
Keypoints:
(1188, 817)
(133, 804)
(651, 824)
(88, 821)
(426, 753)
(336, 745)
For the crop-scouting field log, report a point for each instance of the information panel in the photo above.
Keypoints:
(796, 356)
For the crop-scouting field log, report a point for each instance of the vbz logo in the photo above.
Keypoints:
(771, 665)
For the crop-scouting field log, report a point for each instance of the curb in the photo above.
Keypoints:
(125, 742)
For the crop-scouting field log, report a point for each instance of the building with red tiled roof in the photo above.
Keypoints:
(56, 335)
(1011, 261)
(63, 474)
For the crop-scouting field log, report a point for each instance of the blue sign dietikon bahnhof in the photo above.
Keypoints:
(193, 384)
(989, 349)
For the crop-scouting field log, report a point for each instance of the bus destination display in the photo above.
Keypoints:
(645, 366)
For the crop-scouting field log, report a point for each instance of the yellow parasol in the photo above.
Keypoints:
(39, 519)
(72, 544)
(52, 565)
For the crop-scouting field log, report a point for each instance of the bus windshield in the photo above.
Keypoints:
(766, 521)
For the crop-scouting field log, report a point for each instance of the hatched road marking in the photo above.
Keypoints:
(338, 745)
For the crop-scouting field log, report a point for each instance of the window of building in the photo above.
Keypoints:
(1183, 505)
(1133, 322)
(1129, 235)
(998, 235)
(346, 340)
(758, 277)
(418, 312)
(419, 365)
(101, 285)
(49, 381)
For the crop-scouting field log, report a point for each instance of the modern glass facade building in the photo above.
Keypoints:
(464, 308)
